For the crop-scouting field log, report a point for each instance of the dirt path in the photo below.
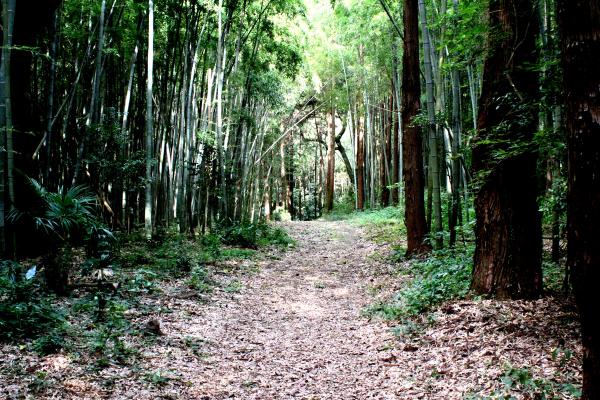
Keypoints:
(295, 330)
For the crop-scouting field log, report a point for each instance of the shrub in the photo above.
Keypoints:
(23, 312)
(252, 235)
(68, 218)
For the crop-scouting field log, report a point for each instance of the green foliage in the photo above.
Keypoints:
(49, 343)
(158, 377)
(67, 214)
(253, 235)
(521, 383)
(234, 286)
(68, 218)
(465, 32)
(24, 312)
(106, 341)
(40, 382)
(236, 254)
(554, 276)
(383, 225)
(200, 280)
(196, 345)
(172, 255)
(342, 209)
(444, 276)
(143, 281)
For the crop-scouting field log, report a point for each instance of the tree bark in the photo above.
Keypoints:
(7, 153)
(433, 170)
(412, 145)
(580, 44)
(387, 117)
(330, 181)
(456, 143)
(149, 123)
(396, 138)
(507, 260)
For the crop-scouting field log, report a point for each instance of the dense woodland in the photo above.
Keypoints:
(196, 119)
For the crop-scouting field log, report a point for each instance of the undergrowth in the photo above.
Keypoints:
(25, 311)
(520, 383)
(96, 313)
(254, 235)
(443, 276)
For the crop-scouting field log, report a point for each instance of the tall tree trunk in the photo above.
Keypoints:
(321, 166)
(433, 170)
(456, 172)
(284, 187)
(92, 114)
(387, 117)
(330, 181)
(580, 44)
(396, 138)
(149, 123)
(49, 165)
(289, 158)
(507, 261)
(7, 154)
(472, 95)
(456, 143)
(360, 163)
(412, 146)
(223, 201)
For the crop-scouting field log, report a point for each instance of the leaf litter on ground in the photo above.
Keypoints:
(291, 327)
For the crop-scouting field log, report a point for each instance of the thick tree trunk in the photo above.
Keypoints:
(283, 175)
(319, 184)
(580, 43)
(507, 261)
(412, 146)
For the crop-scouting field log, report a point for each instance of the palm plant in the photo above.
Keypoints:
(69, 214)
(68, 218)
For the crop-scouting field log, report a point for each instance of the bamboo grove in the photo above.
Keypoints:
(164, 109)
(197, 114)
(203, 114)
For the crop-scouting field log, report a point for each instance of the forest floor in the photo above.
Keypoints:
(291, 325)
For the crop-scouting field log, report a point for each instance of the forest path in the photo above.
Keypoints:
(288, 325)
(294, 331)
